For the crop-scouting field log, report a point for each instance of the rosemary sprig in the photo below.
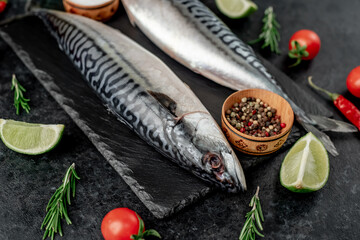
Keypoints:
(19, 99)
(269, 32)
(253, 219)
(56, 208)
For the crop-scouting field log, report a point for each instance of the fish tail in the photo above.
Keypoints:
(325, 139)
(321, 122)
(328, 124)
(318, 124)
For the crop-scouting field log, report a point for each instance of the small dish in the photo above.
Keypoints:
(100, 12)
(258, 145)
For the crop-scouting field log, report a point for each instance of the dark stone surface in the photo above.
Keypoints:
(331, 213)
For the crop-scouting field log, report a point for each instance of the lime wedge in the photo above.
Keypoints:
(236, 8)
(306, 166)
(30, 138)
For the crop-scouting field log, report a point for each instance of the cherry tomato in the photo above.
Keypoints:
(309, 39)
(304, 45)
(2, 6)
(120, 224)
(353, 82)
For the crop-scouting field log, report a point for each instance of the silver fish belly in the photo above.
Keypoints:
(148, 97)
(190, 33)
(200, 41)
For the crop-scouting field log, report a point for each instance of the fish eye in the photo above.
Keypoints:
(214, 160)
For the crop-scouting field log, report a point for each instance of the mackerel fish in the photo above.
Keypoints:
(194, 36)
(148, 97)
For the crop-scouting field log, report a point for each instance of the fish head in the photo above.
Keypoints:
(211, 152)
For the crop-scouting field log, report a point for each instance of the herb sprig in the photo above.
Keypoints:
(56, 208)
(253, 219)
(269, 32)
(19, 99)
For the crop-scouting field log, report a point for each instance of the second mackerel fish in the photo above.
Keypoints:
(193, 35)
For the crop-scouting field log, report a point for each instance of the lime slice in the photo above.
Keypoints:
(236, 8)
(306, 166)
(30, 138)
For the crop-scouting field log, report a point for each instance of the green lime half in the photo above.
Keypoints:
(306, 166)
(236, 8)
(30, 138)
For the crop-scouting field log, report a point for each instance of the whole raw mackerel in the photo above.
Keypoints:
(148, 97)
(193, 35)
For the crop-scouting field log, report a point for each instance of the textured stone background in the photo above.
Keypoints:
(332, 213)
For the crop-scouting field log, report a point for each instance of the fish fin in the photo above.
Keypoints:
(129, 14)
(328, 124)
(328, 144)
(165, 100)
(178, 119)
(118, 116)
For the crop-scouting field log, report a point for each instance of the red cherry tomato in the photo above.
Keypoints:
(309, 39)
(2, 6)
(353, 82)
(304, 45)
(120, 224)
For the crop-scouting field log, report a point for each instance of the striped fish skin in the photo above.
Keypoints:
(134, 84)
(194, 36)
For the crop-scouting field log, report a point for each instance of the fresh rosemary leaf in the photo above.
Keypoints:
(259, 209)
(56, 208)
(269, 32)
(253, 219)
(19, 99)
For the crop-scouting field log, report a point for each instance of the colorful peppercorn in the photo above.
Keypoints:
(253, 117)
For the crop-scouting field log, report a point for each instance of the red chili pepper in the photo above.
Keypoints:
(2, 5)
(348, 109)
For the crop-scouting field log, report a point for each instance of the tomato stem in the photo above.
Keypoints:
(297, 52)
(298, 61)
(141, 233)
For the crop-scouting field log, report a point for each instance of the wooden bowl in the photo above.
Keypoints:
(258, 145)
(100, 12)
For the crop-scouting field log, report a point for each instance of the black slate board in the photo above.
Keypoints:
(149, 174)
(164, 188)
